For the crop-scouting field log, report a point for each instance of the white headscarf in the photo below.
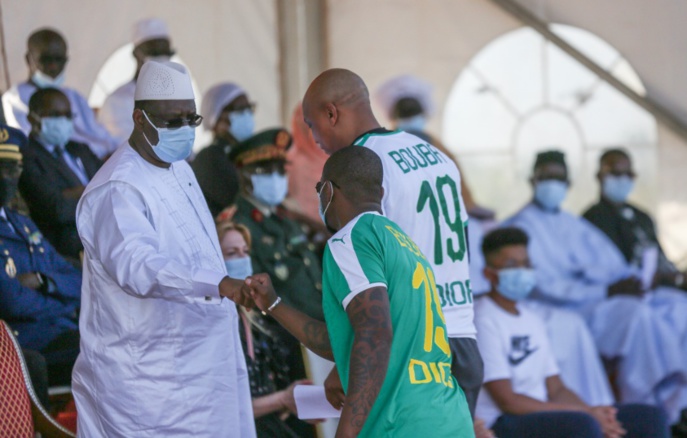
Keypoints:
(402, 86)
(215, 99)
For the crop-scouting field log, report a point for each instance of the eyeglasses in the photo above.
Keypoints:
(320, 184)
(250, 106)
(49, 59)
(193, 121)
(279, 167)
(70, 115)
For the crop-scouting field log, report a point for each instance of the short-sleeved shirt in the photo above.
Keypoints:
(419, 393)
(515, 348)
(422, 195)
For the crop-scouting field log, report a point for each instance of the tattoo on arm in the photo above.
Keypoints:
(370, 316)
(317, 337)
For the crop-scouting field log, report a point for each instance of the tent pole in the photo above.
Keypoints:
(661, 113)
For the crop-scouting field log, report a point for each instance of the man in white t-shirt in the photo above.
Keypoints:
(421, 194)
(523, 393)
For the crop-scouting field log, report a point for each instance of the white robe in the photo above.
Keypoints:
(575, 264)
(116, 112)
(160, 349)
(87, 130)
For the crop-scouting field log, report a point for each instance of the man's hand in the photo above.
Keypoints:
(287, 397)
(481, 430)
(631, 286)
(235, 290)
(30, 280)
(606, 416)
(334, 390)
(261, 291)
(73, 192)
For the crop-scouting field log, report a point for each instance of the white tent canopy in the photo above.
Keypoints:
(274, 47)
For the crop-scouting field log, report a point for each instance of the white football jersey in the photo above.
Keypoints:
(422, 195)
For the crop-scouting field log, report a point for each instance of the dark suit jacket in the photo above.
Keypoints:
(36, 317)
(42, 183)
(217, 176)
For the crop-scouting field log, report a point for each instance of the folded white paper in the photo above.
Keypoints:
(312, 404)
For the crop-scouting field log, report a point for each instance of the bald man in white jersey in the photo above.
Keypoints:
(421, 194)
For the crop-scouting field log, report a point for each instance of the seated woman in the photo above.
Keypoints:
(523, 394)
(266, 356)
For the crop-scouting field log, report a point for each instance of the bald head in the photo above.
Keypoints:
(337, 109)
(339, 86)
(47, 52)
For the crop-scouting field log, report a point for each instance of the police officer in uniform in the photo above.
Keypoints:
(39, 291)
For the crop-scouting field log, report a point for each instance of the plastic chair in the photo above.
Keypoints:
(21, 414)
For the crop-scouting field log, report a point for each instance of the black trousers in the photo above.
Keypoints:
(640, 421)
(468, 369)
(60, 355)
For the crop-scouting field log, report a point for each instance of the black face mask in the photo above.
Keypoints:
(8, 188)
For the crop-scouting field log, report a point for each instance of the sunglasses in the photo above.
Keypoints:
(193, 121)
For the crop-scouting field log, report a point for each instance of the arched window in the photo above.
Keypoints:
(521, 94)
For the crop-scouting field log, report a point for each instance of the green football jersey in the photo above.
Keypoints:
(420, 396)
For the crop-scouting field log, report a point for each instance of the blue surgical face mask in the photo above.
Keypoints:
(415, 123)
(172, 144)
(617, 188)
(270, 189)
(323, 211)
(516, 283)
(242, 124)
(44, 81)
(239, 268)
(550, 193)
(56, 131)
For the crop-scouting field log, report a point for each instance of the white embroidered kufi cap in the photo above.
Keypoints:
(149, 29)
(215, 99)
(164, 80)
(402, 86)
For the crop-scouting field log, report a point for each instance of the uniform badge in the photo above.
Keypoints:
(281, 271)
(35, 238)
(10, 268)
(267, 240)
(257, 216)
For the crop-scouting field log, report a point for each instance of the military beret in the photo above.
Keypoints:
(11, 140)
(546, 157)
(267, 145)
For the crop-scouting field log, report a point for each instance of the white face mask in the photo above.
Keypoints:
(172, 144)
(240, 268)
(44, 81)
(550, 193)
(56, 131)
(414, 124)
(617, 188)
(270, 189)
(242, 124)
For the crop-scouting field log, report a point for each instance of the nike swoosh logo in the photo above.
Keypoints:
(515, 361)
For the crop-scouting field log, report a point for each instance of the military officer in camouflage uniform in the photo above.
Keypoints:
(40, 292)
(280, 247)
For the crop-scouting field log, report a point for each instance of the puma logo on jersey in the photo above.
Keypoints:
(341, 239)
